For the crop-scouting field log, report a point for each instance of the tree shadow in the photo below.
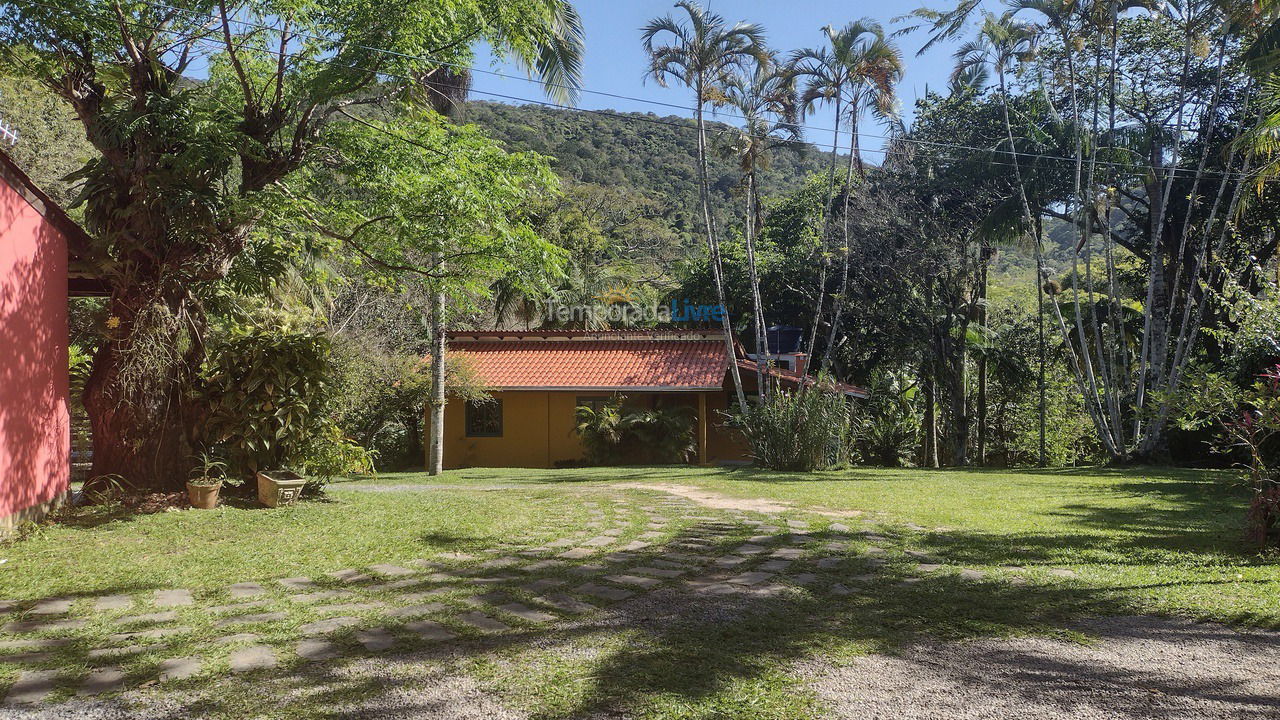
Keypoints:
(694, 637)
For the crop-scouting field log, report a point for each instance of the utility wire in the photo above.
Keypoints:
(1011, 154)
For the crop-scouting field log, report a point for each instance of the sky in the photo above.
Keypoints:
(616, 63)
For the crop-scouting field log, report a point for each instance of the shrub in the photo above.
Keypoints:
(614, 434)
(888, 425)
(811, 429)
(268, 389)
(1248, 421)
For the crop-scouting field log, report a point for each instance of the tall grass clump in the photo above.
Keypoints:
(810, 429)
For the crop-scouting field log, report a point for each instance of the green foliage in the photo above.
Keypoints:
(51, 144)
(209, 471)
(888, 422)
(268, 386)
(799, 431)
(1247, 421)
(448, 205)
(651, 160)
(616, 434)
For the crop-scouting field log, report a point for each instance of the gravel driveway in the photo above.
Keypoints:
(1140, 667)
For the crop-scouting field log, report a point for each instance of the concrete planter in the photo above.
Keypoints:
(203, 497)
(279, 487)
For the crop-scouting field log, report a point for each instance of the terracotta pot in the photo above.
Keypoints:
(279, 487)
(203, 497)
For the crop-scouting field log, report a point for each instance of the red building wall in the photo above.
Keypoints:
(34, 423)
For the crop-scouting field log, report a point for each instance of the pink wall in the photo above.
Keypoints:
(35, 440)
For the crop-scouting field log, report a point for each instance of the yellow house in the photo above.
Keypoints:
(538, 378)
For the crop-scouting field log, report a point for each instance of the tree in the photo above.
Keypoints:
(858, 71)
(701, 53)
(175, 190)
(1154, 109)
(434, 201)
(766, 103)
(999, 43)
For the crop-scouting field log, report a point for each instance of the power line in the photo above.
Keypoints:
(1011, 154)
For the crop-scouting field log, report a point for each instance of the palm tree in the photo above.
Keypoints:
(858, 72)
(766, 103)
(999, 43)
(702, 52)
(557, 62)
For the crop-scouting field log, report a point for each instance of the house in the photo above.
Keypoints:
(538, 378)
(38, 244)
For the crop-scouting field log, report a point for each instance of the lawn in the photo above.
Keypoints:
(1157, 540)
(1044, 547)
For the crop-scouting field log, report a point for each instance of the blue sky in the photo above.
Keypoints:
(615, 60)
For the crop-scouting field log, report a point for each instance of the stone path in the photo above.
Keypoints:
(630, 548)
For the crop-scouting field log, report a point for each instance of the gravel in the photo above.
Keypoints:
(1139, 667)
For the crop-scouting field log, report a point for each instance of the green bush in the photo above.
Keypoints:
(811, 429)
(268, 388)
(887, 427)
(615, 434)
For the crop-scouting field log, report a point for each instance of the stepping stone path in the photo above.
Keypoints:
(390, 570)
(567, 603)
(297, 583)
(252, 619)
(247, 589)
(179, 668)
(751, 578)
(316, 650)
(51, 606)
(148, 634)
(101, 680)
(602, 591)
(32, 687)
(635, 580)
(173, 598)
(376, 639)
(156, 617)
(256, 657)
(480, 621)
(324, 627)
(416, 610)
(525, 612)
(113, 602)
(349, 576)
(429, 630)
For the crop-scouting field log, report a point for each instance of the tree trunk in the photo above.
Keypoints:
(137, 413)
(757, 309)
(435, 445)
(1040, 383)
(822, 239)
(929, 423)
(985, 254)
(837, 306)
(713, 249)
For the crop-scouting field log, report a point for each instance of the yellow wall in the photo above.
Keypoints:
(537, 430)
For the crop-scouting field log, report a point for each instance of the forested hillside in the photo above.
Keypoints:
(655, 155)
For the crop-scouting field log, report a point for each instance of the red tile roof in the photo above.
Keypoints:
(789, 377)
(594, 361)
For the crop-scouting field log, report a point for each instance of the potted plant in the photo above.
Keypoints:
(279, 487)
(206, 481)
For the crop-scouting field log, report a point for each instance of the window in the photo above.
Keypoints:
(595, 403)
(484, 419)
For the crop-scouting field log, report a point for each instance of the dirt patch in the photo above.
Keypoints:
(717, 501)
(1140, 667)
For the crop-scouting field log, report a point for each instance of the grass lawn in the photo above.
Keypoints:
(1050, 545)
(1157, 540)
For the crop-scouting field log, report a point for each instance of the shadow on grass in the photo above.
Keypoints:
(702, 646)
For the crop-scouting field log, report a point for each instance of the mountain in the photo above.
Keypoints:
(656, 155)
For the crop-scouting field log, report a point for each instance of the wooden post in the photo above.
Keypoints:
(702, 428)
